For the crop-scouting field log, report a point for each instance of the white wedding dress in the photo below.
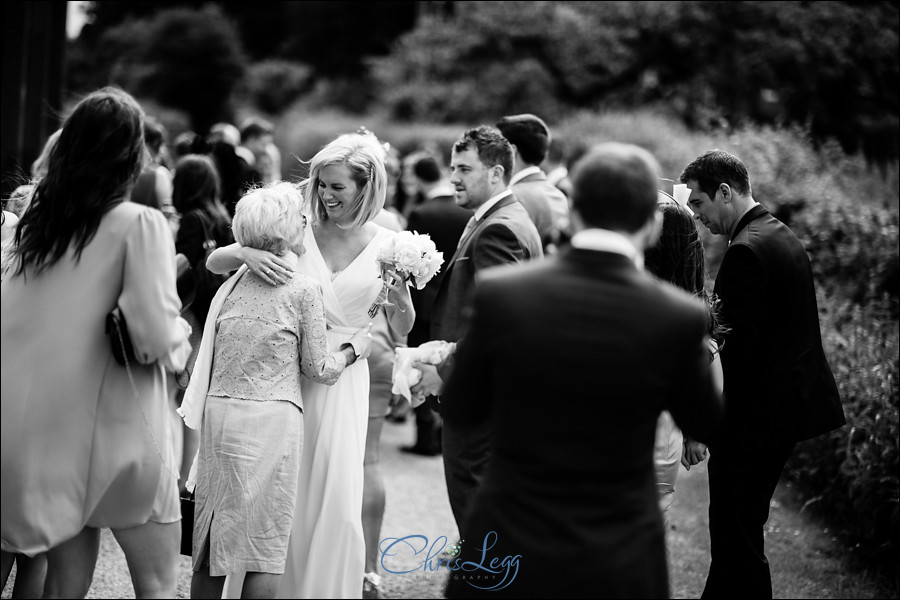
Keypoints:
(326, 553)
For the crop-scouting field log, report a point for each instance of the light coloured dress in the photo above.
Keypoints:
(667, 459)
(326, 554)
(252, 434)
(78, 447)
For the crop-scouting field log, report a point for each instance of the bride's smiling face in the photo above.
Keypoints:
(337, 191)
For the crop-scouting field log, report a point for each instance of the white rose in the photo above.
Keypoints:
(407, 256)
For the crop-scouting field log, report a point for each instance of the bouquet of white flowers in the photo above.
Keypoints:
(413, 255)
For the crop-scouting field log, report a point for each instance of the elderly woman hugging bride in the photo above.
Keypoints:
(245, 396)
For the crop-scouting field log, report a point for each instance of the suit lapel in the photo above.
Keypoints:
(464, 242)
(479, 225)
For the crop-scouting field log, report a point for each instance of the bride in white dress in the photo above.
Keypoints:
(346, 189)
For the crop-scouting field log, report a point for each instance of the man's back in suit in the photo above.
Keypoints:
(546, 205)
(571, 360)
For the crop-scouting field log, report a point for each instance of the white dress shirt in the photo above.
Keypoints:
(604, 240)
(482, 210)
(534, 170)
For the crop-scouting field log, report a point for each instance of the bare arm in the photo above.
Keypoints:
(272, 269)
(400, 314)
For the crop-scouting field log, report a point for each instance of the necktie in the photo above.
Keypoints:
(470, 226)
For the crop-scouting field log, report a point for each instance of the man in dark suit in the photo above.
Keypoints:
(500, 232)
(444, 221)
(779, 389)
(570, 496)
(546, 204)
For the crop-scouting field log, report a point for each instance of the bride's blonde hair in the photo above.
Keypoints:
(364, 155)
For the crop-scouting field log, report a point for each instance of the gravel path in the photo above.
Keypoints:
(806, 561)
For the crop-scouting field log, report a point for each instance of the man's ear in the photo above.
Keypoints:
(497, 172)
(726, 191)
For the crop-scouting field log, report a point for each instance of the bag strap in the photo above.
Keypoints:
(137, 398)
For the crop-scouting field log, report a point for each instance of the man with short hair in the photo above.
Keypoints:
(546, 205)
(779, 388)
(569, 507)
(500, 232)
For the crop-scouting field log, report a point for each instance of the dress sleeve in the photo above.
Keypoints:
(149, 298)
(316, 362)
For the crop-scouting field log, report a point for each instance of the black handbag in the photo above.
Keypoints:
(119, 340)
(117, 328)
(187, 522)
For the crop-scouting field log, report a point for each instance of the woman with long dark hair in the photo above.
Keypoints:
(204, 220)
(205, 223)
(85, 441)
(677, 258)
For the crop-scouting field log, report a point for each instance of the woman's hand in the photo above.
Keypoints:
(360, 343)
(269, 267)
(399, 310)
(398, 291)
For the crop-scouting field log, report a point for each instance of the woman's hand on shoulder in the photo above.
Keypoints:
(269, 267)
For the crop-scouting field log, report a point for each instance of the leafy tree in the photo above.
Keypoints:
(334, 37)
(828, 66)
(184, 58)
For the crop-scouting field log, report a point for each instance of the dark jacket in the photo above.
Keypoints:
(778, 385)
(504, 235)
(571, 360)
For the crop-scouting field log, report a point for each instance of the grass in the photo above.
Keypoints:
(806, 559)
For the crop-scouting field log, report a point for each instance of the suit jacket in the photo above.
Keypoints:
(504, 235)
(444, 221)
(546, 205)
(571, 361)
(778, 385)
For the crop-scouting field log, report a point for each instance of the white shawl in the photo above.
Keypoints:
(194, 402)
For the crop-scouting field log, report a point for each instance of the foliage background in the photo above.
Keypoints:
(806, 93)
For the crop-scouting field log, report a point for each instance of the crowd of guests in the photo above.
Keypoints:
(590, 361)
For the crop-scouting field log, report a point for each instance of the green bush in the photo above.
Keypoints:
(851, 475)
